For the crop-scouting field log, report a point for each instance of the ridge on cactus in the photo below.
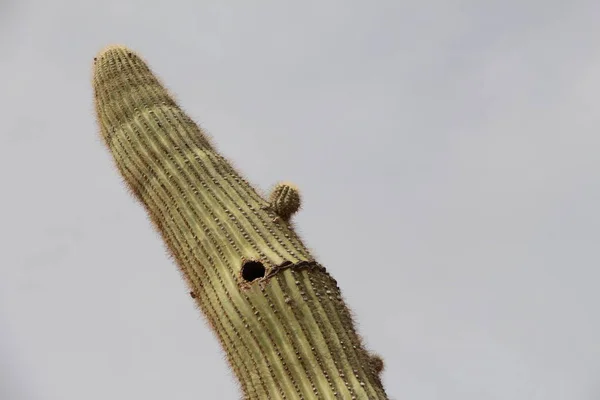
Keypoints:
(277, 312)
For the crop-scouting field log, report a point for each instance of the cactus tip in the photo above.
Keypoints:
(111, 48)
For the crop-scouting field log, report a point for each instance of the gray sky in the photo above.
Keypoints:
(448, 156)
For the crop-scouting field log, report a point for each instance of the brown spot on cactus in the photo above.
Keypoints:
(377, 363)
(216, 227)
(285, 199)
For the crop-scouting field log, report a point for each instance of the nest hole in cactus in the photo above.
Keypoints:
(252, 270)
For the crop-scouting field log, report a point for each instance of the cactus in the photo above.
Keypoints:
(277, 313)
(285, 200)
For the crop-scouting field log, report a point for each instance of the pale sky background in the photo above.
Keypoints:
(448, 155)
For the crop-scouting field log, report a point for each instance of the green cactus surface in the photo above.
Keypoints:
(277, 313)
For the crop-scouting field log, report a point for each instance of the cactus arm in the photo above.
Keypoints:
(277, 313)
(285, 200)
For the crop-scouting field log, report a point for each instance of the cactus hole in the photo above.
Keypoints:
(252, 270)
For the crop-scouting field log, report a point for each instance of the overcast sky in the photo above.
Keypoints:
(448, 155)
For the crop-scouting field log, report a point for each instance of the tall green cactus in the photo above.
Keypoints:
(278, 314)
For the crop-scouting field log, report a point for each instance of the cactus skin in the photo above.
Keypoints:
(287, 334)
(285, 200)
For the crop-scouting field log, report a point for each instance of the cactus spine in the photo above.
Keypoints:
(276, 311)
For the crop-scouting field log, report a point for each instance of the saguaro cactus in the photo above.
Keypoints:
(278, 314)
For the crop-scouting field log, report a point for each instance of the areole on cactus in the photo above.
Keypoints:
(278, 314)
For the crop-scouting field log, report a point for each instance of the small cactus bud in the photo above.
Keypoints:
(377, 363)
(285, 199)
